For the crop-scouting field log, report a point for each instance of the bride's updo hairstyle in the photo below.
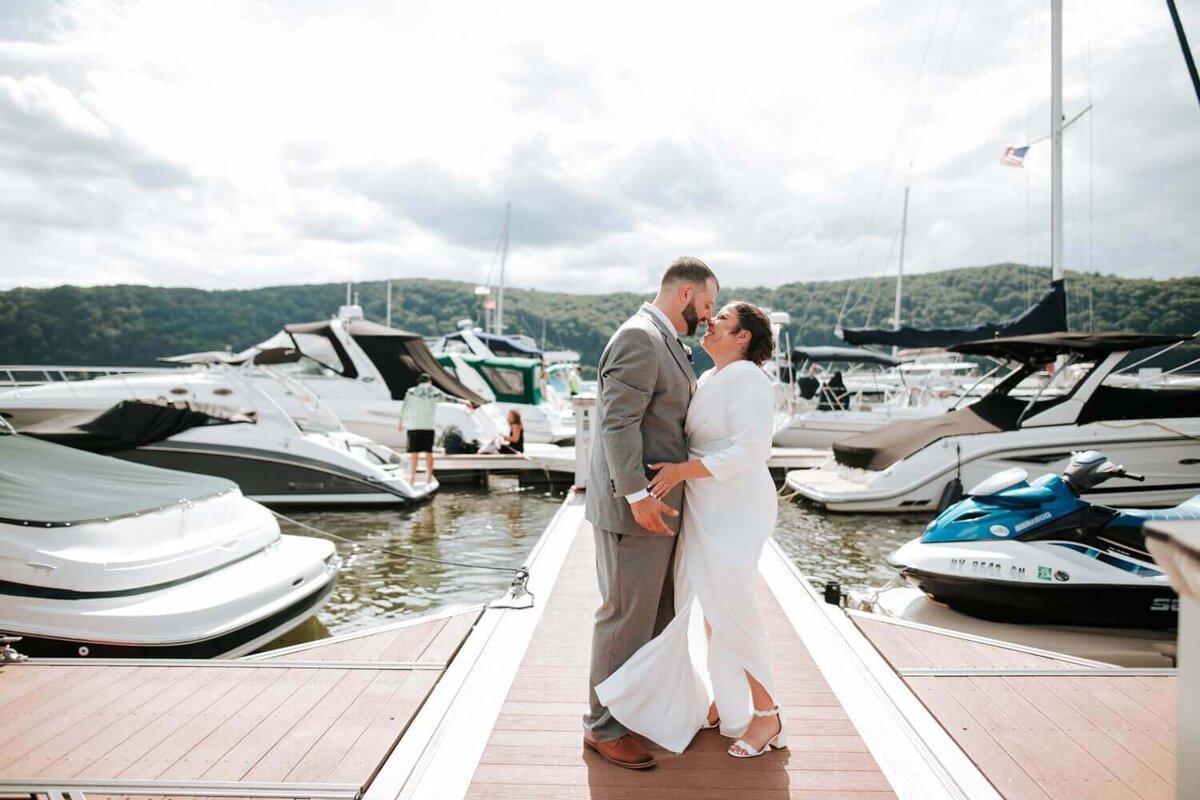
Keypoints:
(753, 319)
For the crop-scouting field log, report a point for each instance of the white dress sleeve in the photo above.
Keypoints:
(749, 417)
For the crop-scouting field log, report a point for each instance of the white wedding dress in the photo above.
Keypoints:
(663, 690)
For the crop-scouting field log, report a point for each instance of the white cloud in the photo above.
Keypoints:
(241, 143)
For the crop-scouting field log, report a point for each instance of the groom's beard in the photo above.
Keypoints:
(691, 317)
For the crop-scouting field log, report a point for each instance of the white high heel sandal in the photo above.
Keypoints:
(777, 742)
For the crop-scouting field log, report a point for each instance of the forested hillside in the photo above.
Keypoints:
(132, 325)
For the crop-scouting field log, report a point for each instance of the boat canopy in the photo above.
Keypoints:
(1047, 315)
(849, 355)
(512, 380)
(46, 485)
(400, 356)
(1044, 348)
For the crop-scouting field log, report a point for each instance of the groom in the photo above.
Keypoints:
(645, 382)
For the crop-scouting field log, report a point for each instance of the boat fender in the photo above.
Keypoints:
(951, 494)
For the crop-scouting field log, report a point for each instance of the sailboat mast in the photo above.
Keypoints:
(1056, 128)
(900, 269)
(503, 258)
(389, 303)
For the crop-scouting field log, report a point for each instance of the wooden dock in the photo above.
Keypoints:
(1041, 726)
(486, 703)
(316, 720)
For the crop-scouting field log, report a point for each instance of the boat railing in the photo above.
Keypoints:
(23, 376)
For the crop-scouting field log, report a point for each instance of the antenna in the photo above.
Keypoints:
(900, 270)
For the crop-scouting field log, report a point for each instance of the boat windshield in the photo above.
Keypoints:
(319, 352)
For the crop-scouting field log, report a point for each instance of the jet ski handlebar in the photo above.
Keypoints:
(1090, 468)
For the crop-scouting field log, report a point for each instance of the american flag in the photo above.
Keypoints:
(1014, 156)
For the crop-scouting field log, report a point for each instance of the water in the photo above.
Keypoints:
(848, 548)
(500, 527)
(471, 525)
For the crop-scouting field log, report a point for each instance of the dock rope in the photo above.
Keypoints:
(517, 589)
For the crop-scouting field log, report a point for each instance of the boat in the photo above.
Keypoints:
(186, 419)
(921, 465)
(510, 371)
(828, 405)
(517, 384)
(1024, 551)
(360, 371)
(104, 558)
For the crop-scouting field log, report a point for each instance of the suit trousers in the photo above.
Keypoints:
(637, 600)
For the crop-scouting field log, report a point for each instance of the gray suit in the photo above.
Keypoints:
(645, 384)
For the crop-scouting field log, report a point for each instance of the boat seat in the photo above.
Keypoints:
(1188, 509)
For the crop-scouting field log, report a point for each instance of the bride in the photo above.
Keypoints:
(663, 690)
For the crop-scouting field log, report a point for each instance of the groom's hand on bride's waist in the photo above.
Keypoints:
(648, 512)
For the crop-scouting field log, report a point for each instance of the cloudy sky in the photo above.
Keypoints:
(230, 143)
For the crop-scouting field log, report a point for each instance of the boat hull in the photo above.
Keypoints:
(920, 482)
(267, 478)
(1091, 605)
(225, 612)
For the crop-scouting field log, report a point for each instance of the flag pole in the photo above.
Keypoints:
(1056, 129)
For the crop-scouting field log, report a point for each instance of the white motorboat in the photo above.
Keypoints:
(182, 419)
(828, 405)
(101, 557)
(921, 465)
(360, 371)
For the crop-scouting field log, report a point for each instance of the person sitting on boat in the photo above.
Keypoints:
(417, 415)
(514, 442)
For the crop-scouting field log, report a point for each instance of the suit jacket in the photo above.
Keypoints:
(644, 386)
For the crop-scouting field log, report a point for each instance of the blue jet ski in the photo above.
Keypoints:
(1025, 551)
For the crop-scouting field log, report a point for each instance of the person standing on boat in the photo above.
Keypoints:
(417, 416)
(575, 381)
(644, 386)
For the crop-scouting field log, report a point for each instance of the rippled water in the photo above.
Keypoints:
(848, 548)
(378, 584)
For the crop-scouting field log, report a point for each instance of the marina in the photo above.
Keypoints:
(455, 539)
(485, 702)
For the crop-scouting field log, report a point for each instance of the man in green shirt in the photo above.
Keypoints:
(417, 415)
(575, 380)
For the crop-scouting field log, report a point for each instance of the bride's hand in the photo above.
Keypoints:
(667, 478)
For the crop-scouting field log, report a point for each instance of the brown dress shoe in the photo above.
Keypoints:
(624, 752)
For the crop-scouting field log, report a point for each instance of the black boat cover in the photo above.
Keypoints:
(1047, 315)
(132, 423)
(1044, 348)
(880, 448)
(47, 485)
(849, 355)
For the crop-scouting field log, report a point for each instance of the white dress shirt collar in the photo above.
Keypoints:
(658, 312)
